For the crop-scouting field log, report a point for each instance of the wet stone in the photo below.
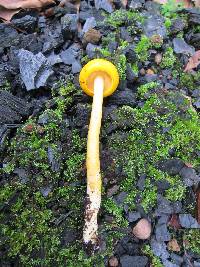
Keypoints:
(171, 166)
(133, 261)
(125, 97)
(159, 249)
(8, 36)
(189, 176)
(69, 24)
(187, 221)
(162, 233)
(91, 50)
(133, 216)
(104, 4)
(27, 23)
(181, 47)
(34, 69)
(89, 24)
(76, 67)
(154, 25)
(177, 25)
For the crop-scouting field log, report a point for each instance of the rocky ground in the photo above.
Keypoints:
(150, 139)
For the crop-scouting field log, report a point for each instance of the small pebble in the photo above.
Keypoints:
(142, 229)
(158, 58)
(113, 262)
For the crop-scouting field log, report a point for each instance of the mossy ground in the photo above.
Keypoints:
(38, 230)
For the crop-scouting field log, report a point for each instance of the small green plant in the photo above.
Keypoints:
(144, 89)
(192, 240)
(155, 261)
(168, 59)
(169, 9)
(156, 41)
(142, 48)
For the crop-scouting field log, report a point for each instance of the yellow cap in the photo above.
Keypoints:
(99, 67)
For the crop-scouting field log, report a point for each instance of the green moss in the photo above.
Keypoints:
(155, 261)
(168, 59)
(164, 123)
(145, 88)
(192, 240)
(142, 48)
(190, 80)
(170, 8)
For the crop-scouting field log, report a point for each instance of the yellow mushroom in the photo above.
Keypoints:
(98, 78)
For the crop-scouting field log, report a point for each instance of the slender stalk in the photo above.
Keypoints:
(93, 166)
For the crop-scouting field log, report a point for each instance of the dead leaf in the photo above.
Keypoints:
(10, 7)
(174, 222)
(193, 62)
(7, 14)
(173, 245)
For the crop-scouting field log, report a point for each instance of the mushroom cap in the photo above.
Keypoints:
(99, 67)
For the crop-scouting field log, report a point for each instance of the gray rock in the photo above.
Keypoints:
(103, 4)
(154, 25)
(164, 206)
(196, 263)
(69, 55)
(34, 69)
(159, 249)
(176, 258)
(91, 50)
(163, 219)
(76, 67)
(171, 166)
(27, 23)
(189, 176)
(69, 24)
(177, 206)
(130, 74)
(133, 261)
(196, 93)
(54, 157)
(43, 119)
(136, 4)
(162, 233)
(54, 59)
(177, 25)
(8, 36)
(133, 216)
(46, 190)
(22, 175)
(89, 24)
(121, 197)
(197, 103)
(187, 221)
(125, 97)
(181, 47)
(167, 263)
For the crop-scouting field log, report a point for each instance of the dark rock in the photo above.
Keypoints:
(177, 206)
(54, 59)
(76, 67)
(91, 50)
(69, 24)
(176, 258)
(162, 185)
(34, 69)
(30, 42)
(167, 263)
(163, 219)
(113, 190)
(130, 53)
(23, 176)
(130, 75)
(154, 25)
(196, 93)
(43, 119)
(189, 176)
(195, 40)
(162, 233)
(46, 190)
(133, 216)
(112, 46)
(141, 181)
(8, 36)
(12, 108)
(69, 55)
(124, 34)
(171, 166)
(54, 154)
(89, 24)
(82, 115)
(194, 16)
(164, 206)
(136, 4)
(120, 198)
(181, 47)
(187, 221)
(159, 249)
(27, 23)
(133, 261)
(177, 25)
(104, 4)
(125, 97)
(86, 14)
(197, 103)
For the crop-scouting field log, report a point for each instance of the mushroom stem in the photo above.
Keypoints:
(93, 166)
